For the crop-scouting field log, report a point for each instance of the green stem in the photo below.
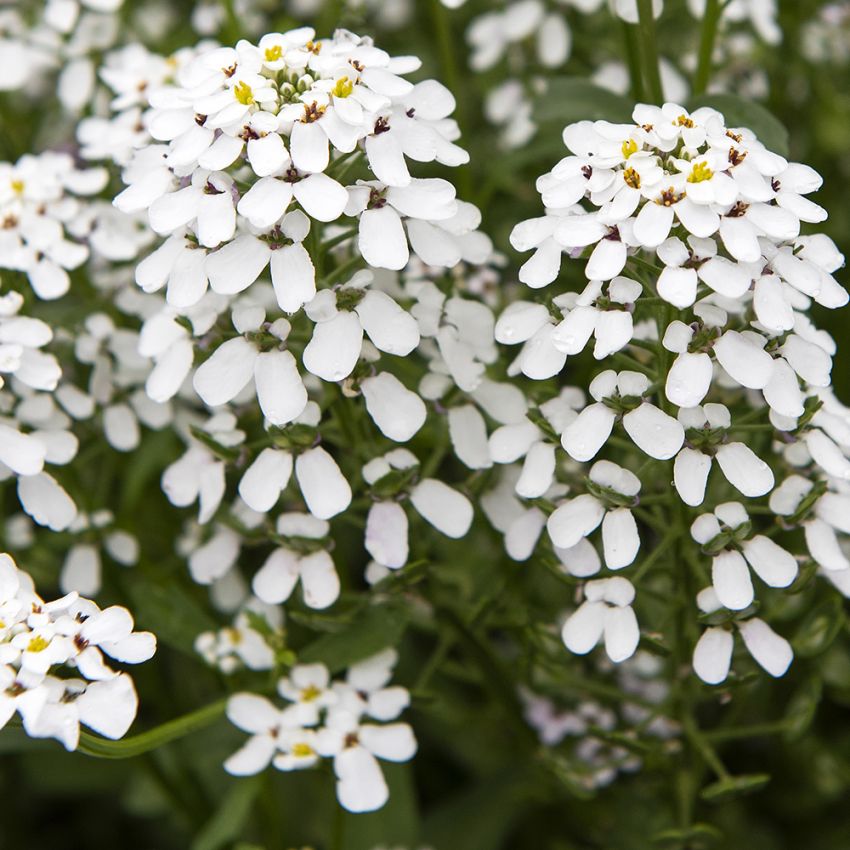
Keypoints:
(753, 731)
(97, 747)
(633, 60)
(710, 21)
(649, 51)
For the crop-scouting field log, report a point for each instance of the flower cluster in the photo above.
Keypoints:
(691, 232)
(39, 640)
(329, 719)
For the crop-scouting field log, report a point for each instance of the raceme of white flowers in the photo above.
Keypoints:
(278, 287)
(702, 224)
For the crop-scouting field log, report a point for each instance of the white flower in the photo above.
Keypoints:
(383, 209)
(712, 657)
(311, 564)
(706, 440)
(606, 614)
(726, 534)
(622, 395)
(612, 491)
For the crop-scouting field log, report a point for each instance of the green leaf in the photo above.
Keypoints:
(802, 708)
(734, 786)
(375, 629)
(569, 99)
(229, 819)
(820, 628)
(697, 837)
(162, 605)
(740, 112)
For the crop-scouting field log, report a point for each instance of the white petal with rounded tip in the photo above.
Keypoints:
(276, 579)
(174, 209)
(265, 202)
(468, 433)
(323, 486)
(382, 240)
(253, 757)
(386, 534)
(652, 224)
(808, 360)
(654, 432)
(678, 286)
(607, 260)
(187, 281)
(690, 475)
(583, 630)
(386, 159)
(620, 539)
(445, 508)
(823, 545)
(749, 365)
(571, 335)
(397, 411)
(360, 786)
(538, 471)
(521, 320)
(319, 580)
(622, 633)
(540, 358)
(280, 390)
(740, 238)
(109, 708)
(268, 155)
(308, 146)
(391, 328)
(731, 580)
(689, 379)
(580, 560)
(22, 453)
(587, 433)
(772, 310)
(222, 377)
(46, 501)
(334, 349)
(725, 277)
(393, 742)
(167, 376)
(713, 655)
(745, 471)
(543, 266)
(321, 197)
(263, 481)
(293, 277)
(783, 392)
(772, 564)
(574, 519)
(238, 264)
(523, 533)
(772, 652)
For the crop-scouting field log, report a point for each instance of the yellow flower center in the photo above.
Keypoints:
(700, 173)
(18, 187)
(629, 147)
(343, 87)
(274, 53)
(243, 93)
(302, 750)
(37, 644)
(684, 121)
(310, 693)
(631, 178)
